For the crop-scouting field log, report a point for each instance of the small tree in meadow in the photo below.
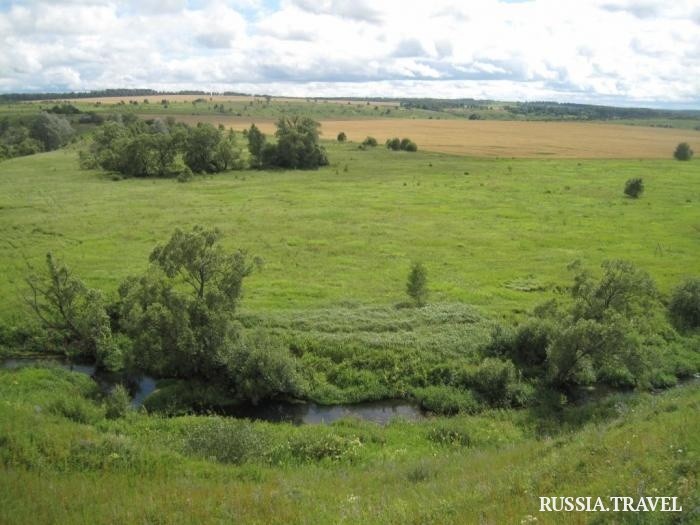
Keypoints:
(634, 187)
(683, 151)
(417, 285)
(342, 137)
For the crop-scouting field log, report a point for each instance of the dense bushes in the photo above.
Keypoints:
(404, 144)
(684, 306)
(613, 331)
(296, 148)
(29, 135)
(683, 151)
(634, 187)
(137, 148)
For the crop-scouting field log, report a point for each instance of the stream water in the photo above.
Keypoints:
(140, 387)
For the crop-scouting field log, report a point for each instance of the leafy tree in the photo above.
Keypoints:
(227, 155)
(342, 137)
(178, 333)
(370, 142)
(53, 131)
(634, 187)
(684, 306)
(197, 259)
(683, 151)
(256, 146)
(417, 284)
(73, 315)
(200, 148)
(297, 144)
(602, 332)
(623, 289)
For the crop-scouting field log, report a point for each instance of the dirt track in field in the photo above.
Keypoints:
(491, 138)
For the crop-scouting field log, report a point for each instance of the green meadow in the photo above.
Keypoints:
(497, 234)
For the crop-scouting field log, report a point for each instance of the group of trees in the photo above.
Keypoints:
(138, 148)
(29, 135)
(176, 320)
(296, 146)
(613, 330)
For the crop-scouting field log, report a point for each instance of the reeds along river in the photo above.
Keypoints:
(381, 412)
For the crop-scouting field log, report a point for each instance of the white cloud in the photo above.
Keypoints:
(624, 51)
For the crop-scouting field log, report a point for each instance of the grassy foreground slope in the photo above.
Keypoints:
(61, 461)
(496, 234)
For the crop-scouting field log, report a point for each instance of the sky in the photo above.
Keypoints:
(621, 52)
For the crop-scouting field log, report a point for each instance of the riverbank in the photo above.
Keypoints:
(63, 461)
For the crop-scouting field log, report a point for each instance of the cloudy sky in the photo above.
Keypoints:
(630, 52)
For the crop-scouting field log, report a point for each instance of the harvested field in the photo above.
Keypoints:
(490, 138)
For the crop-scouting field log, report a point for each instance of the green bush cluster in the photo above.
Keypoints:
(33, 134)
(297, 145)
(157, 148)
(404, 144)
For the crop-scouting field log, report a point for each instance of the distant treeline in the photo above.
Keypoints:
(18, 97)
(546, 109)
(442, 104)
(592, 112)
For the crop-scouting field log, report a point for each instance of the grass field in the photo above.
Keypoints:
(497, 234)
(61, 461)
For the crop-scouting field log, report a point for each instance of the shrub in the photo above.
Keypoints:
(370, 142)
(446, 400)
(76, 409)
(342, 137)
(117, 403)
(261, 367)
(417, 284)
(394, 144)
(224, 440)
(185, 175)
(492, 379)
(683, 151)
(321, 445)
(408, 145)
(446, 432)
(684, 306)
(634, 187)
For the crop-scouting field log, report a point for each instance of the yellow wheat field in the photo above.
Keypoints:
(491, 138)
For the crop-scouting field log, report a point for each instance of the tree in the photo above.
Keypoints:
(684, 306)
(53, 131)
(200, 147)
(73, 315)
(370, 142)
(183, 333)
(297, 144)
(342, 137)
(197, 259)
(416, 286)
(256, 145)
(634, 187)
(683, 151)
